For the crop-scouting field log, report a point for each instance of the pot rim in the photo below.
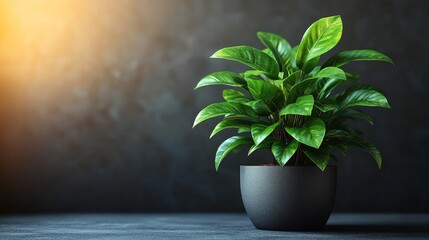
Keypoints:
(275, 166)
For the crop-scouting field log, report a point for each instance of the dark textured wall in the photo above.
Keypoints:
(97, 102)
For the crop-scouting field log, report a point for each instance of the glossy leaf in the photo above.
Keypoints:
(364, 96)
(355, 114)
(303, 106)
(278, 46)
(310, 65)
(243, 130)
(224, 108)
(319, 38)
(261, 131)
(255, 73)
(259, 107)
(242, 123)
(266, 144)
(269, 53)
(327, 85)
(249, 56)
(326, 105)
(282, 152)
(300, 89)
(315, 71)
(266, 92)
(290, 62)
(227, 146)
(290, 85)
(222, 78)
(331, 72)
(320, 156)
(232, 95)
(292, 79)
(345, 57)
(310, 134)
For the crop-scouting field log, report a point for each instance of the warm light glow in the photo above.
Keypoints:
(49, 57)
(70, 68)
(38, 34)
(51, 48)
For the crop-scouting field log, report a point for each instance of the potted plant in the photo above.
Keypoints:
(298, 110)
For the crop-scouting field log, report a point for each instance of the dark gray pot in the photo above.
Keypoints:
(288, 198)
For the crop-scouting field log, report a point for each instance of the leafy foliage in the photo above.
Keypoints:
(287, 104)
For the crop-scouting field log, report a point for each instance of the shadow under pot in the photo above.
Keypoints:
(290, 198)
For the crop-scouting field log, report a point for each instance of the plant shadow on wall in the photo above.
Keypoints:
(291, 105)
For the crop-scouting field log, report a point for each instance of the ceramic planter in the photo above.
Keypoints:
(291, 198)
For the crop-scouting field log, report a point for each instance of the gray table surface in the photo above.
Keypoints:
(205, 226)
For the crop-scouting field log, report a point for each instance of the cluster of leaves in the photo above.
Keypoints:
(287, 102)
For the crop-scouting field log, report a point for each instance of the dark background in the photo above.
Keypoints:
(97, 102)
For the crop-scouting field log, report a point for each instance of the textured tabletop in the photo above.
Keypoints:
(204, 226)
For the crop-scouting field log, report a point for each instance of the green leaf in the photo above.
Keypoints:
(303, 106)
(327, 85)
(268, 93)
(319, 38)
(249, 56)
(326, 105)
(352, 76)
(299, 89)
(269, 53)
(259, 107)
(310, 65)
(231, 95)
(331, 72)
(280, 44)
(222, 78)
(279, 47)
(351, 113)
(345, 57)
(292, 79)
(320, 156)
(290, 62)
(266, 144)
(243, 130)
(371, 149)
(311, 133)
(224, 108)
(283, 153)
(362, 95)
(340, 145)
(240, 122)
(261, 131)
(227, 146)
(255, 73)
(315, 71)
(368, 147)
(337, 134)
